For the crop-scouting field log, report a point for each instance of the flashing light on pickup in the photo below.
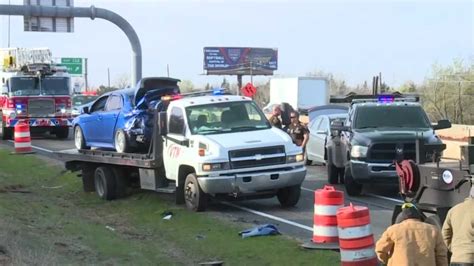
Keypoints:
(386, 99)
(218, 91)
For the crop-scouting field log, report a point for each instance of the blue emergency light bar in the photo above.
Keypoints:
(218, 91)
(386, 99)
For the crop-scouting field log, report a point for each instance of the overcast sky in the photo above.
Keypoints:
(352, 39)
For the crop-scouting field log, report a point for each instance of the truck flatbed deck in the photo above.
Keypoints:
(109, 157)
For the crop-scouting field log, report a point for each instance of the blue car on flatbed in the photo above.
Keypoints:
(122, 119)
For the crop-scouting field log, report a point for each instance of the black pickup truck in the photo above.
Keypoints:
(379, 131)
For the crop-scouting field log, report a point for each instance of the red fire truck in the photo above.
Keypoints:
(34, 91)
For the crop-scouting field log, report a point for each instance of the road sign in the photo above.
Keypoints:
(74, 65)
(249, 90)
(49, 23)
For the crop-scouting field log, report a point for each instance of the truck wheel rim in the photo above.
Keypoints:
(78, 138)
(190, 193)
(119, 142)
(99, 185)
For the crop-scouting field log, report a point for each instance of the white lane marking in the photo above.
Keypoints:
(68, 150)
(307, 189)
(269, 216)
(36, 147)
(386, 198)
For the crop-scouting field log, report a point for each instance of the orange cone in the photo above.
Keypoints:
(22, 138)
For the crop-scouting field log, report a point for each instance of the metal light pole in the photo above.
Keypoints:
(9, 27)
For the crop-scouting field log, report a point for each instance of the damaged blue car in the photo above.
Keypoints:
(123, 119)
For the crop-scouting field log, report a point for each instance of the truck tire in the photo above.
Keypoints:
(195, 198)
(121, 183)
(352, 188)
(88, 183)
(307, 161)
(333, 173)
(289, 196)
(62, 133)
(105, 184)
(7, 132)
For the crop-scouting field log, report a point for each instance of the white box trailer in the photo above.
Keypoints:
(301, 93)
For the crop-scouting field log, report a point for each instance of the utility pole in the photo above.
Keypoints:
(85, 73)
(168, 69)
(108, 77)
(9, 27)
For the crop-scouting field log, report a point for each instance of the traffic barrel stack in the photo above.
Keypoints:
(356, 241)
(22, 140)
(326, 203)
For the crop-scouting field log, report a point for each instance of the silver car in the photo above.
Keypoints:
(319, 132)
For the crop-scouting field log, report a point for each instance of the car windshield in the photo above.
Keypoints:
(394, 116)
(25, 86)
(225, 117)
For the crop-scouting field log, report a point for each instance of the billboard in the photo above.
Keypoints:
(240, 61)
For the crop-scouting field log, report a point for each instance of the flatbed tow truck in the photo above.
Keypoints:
(237, 153)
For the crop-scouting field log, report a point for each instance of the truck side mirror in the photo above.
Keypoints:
(442, 124)
(85, 109)
(4, 90)
(338, 126)
(162, 124)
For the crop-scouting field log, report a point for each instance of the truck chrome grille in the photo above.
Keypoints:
(40, 107)
(388, 152)
(257, 157)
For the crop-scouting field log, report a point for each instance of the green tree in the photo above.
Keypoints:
(186, 86)
(448, 92)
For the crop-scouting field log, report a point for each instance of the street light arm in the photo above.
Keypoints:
(84, 12)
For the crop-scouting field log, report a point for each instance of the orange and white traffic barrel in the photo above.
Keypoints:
(356, 241)
(326, 203)
(22, 140)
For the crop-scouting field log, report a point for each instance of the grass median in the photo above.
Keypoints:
(46, 219)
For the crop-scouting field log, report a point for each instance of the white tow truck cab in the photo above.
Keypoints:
(211, 145)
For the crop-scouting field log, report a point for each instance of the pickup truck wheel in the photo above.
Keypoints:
(121, 142)
(333, 173)
(308, 162)
(79, 140)
(62, 133)
(105, 183)
(352, 188)
(289, 196)
(195, 198)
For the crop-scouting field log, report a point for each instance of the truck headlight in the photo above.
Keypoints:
(208, 167)
(359, 151)
(448, 177)
(294, 158)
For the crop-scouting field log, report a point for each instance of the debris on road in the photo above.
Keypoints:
(110, 228)
(263, 230)
(167, 215)
(14, 189)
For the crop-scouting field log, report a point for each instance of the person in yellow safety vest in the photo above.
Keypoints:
(458, 232)
(412, 242)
